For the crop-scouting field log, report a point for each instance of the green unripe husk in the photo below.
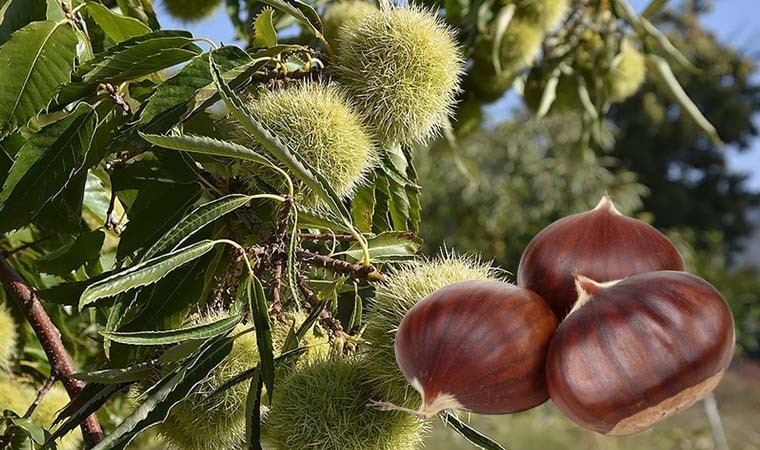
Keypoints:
(545, 13)
(199, 422)
(401, 66)
(8, 336)
(316, 121)
(323, 405)
(520, 45)
(18, 396)
(627, 73)
(191, 10)
(343, 13)
(406, 286)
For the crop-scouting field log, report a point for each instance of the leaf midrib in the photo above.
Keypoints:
(31, 68)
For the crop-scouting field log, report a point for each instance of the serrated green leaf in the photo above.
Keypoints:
(472, 435)
(170, 101)
(312, 218)
(87, 402)
(302, 12)
(33, 63)
(84, 249)
(129, 374)
(196, 220)
(207, 146)
(119, 28)
(363, 207)
(143, 274)
(253, 413)
(54, 155)
(149, 217)
(141, 10)
(662, 69)
(170, 390)
(264, 33)
(17, 13)
(167, 337)
(388, 246)
(141, 58)
(257, 304)
(311, 178)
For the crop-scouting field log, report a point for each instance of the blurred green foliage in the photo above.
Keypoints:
(687, 173)
(509, 182)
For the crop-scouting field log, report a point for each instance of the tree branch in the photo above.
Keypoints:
(325, 318)
(339, 266)
(50, 338)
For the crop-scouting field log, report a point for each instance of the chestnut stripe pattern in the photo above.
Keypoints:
(601, 244)
(639, 351)
(480, 344)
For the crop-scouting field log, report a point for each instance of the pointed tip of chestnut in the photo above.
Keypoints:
(601, 244)
(606, 204)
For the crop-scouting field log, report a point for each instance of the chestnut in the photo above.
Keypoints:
(601, 244)
(478, 346)
(638, 351)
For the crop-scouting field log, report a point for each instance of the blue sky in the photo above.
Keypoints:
(735, 22)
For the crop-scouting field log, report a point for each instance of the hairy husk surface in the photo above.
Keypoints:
(408, 285)
(199, 422)
(344, 13)
(191, 10)
(316, 121)
(627, 75)
(323, 405)
(546, 13)
(18, 396)
(402, 68)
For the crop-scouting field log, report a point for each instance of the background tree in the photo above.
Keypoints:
(661, 144)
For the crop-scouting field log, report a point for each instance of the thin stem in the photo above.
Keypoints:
(25, 246)
(716, 425)
(327, 237)
(40, 395)
(50, 340)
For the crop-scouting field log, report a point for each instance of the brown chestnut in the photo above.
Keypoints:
(601, 244)
(635, 352)
(478, 346)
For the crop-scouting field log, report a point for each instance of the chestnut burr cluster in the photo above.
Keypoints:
(604, 321)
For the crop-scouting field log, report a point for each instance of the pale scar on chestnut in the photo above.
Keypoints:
(666, 408)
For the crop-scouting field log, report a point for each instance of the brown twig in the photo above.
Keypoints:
(339, 266)
(26, 245)
(278, 244)
(40, 395)
(50, 339)
(325, 317)
(122, 158)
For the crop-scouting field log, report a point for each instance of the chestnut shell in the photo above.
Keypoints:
(480, 344)
(640, 351)
(601, 244)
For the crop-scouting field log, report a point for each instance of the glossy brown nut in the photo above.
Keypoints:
(478, 346)
(601, 244)
(640, 351)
